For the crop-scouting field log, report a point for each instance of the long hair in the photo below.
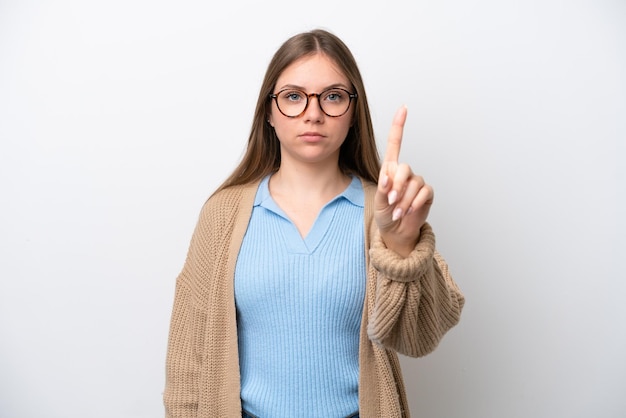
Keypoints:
(358, 154)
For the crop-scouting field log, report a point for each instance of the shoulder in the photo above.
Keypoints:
(232, 194)
(369, 191)
(229, 202)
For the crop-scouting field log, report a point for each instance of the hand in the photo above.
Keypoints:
(403, 199)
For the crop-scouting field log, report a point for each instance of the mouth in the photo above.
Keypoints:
(311, 136)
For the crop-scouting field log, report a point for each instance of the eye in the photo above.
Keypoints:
(334, 96)
(292, 95)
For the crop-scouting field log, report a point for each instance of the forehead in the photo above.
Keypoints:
(312, 72)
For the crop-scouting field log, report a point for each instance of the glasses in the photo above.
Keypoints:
(333, 102)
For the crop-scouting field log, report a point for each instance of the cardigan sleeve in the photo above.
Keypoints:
(183, 362)
(416, 300)
(187, 331)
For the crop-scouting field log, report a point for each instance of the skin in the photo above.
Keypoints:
(403, 199)
(309, 175)
(313, 139)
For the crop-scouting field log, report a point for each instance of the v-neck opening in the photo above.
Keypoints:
(323, 220)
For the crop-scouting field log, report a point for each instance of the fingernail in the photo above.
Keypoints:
(409, 210)
(396, 214)
(392, 196)
(384, 180)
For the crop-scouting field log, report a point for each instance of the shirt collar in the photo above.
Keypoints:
(353, 193)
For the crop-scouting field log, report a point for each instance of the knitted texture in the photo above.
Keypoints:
(409, 305)
(299, 307)
(414, 306)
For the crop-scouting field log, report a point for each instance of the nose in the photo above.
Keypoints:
(313, 111)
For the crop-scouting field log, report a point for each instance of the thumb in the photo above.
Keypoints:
(385, 184)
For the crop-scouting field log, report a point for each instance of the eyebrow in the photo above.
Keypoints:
(332, 86)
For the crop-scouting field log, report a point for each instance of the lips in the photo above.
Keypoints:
(311, 136)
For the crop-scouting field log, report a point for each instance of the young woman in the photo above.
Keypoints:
(313, 265)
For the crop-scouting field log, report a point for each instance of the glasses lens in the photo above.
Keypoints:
(335, 102)
(291, 102)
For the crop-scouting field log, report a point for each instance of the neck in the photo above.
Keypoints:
(308, 182)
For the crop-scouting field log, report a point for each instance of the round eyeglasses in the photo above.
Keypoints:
(333, 102)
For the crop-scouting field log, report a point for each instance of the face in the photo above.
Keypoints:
(313, 137)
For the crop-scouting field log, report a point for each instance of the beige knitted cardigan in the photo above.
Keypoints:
(410, 304)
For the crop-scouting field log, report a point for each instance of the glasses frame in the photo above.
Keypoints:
(351, 96)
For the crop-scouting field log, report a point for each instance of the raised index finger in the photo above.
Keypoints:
(394, 141)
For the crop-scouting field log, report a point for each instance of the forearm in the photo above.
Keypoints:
(417, 301)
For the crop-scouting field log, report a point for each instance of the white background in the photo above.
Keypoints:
(119, 118)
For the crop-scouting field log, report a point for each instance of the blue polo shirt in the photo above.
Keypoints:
(299, 306)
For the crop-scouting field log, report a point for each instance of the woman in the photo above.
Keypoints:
(312, 265)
